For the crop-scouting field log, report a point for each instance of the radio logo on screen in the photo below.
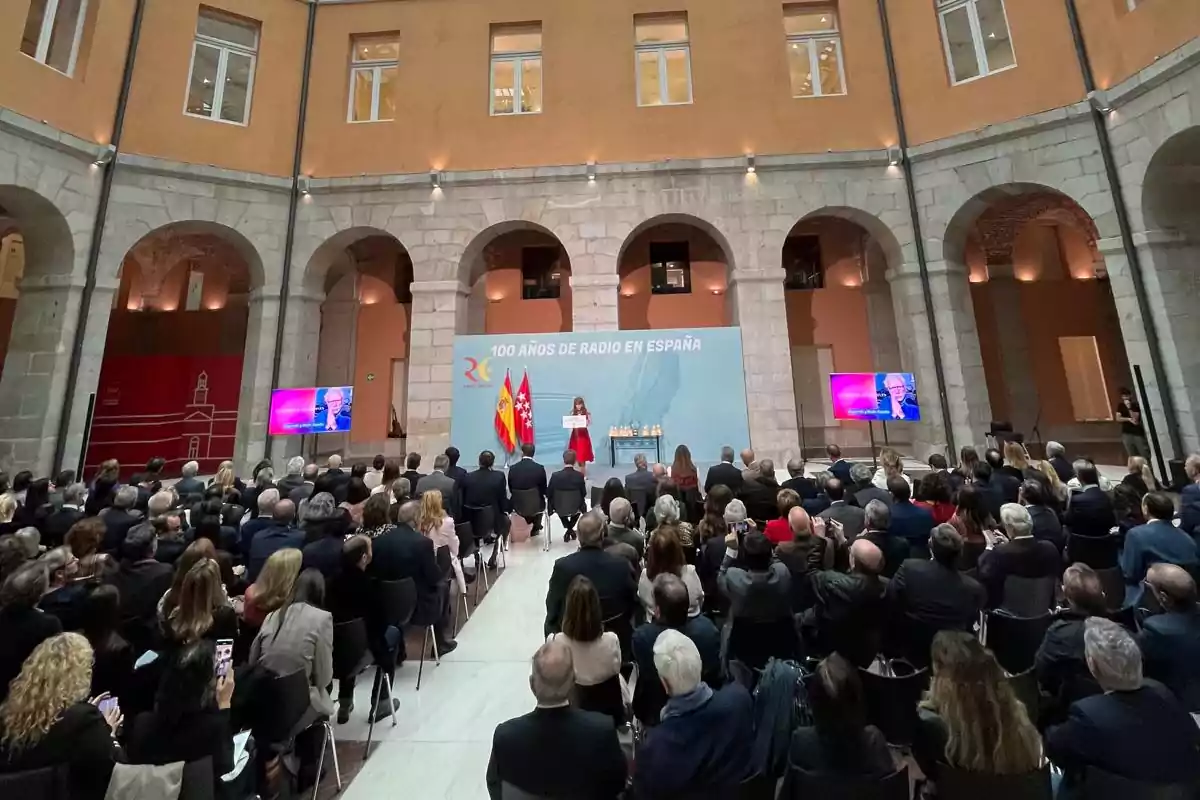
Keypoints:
(477, 370)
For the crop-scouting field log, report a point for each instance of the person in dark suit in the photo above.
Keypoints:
(1156, 541)
(454, 470)
(142, 579)
(724, 473)
(325, 528)
(411, 462)
(556, 750)
(293, 478)
(863, 490)
(23, 626)
(487, 487)
(1135, 729)
(57, 523)
(528, 474)
(1089, 511)
(280, 534)
(1056, 454)
(1061, 664)
(1046, 525)
(761, 495)
(119, 518)
(840, 467)
(1170, 641)
(798, 482)
(190, 488)
(1189, 498)
(307, 485)
(933, 592)
(1005, 480)
(439, 481)
(567, 480)
(989, 493)
(878, 519)
(260, 518)
(402, 553)
(851, 608)
(852, 518)
(1022, 556)
(607, 572)
(910, 522)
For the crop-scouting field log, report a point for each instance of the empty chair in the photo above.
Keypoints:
(1014, 641)
(957, 784)
(1098, 552)
(801, 785)
(1029, 597)
(1101, 785)
(892, 702)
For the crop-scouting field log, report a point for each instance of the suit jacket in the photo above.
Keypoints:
(804, 486)
(301, 493)
(755, 595)
(816, 505)
(853, 518)
(266, 542)
(607, 572)
(642, 480)
(250, 528)
(1007, 485)
(1024, 557)
(413, 477)
(849, 614)
(55, 525)
(486, 487)
(189, 487)
(865, 494)
(1063, 468)
(941, 597)
(1143, 735)
(117, 523)
(1171, 649)
(324, 555)
(911, 522)
(287, 483)
(1061, 666)
(841, 470)
(557, 752)
(1156, 541)
(895, 550)
(456, 472)
(21, 630)
(1047, 527)
(403, 553)
(723, 473)
(441, 482)
(528, 474)
(760, 497)
(1189, 509)
(300, 639)
(142, 584)
(566, 480)
(1089, 513)
(991, 497)
(80, 740)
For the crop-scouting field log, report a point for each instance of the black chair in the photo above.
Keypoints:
(445, 562)
(957, 784)
(892, 702)
(198, 780)
(603, 698)
(399, 600)
(351, 657)
(1098, 552)
(485, 526)
(1025, 687)
(912, 639)
(48, 783)
(278, 711)
(567, 504)
(622, 625)
(1112, 580)
(597, 493)
(527, 502)
(801, 785)
(640, 500)
(1014, 641)
(757, 787)
(1029, 597)
(1101, 785)
(755, 642)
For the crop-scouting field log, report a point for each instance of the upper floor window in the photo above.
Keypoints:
(1132, 4)
(814, 49)
(517, 69)
(664, 70)
(670, 268)
(802, 263)
(374, 62)
(221, 78)
(541, 278)
(52, 32)
(976, 37)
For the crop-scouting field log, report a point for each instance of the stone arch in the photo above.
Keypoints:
(181, 240)
(877, 229)
(471, 266)
(677, 218)
(49, 244)
(327, 255)
(1171, 190)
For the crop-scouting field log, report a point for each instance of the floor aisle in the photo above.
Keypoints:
(439, 748)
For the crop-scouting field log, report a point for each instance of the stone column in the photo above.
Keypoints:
(254, 400)
(298, 361)
(594, 302)
(759, 310)
(1004, 294)
(439, 312)
(958, 344)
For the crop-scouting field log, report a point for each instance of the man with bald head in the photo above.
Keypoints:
(850, 609)
(749, 465)
(1170, 641)
(556, 750)
(804, 555)
(279, 535)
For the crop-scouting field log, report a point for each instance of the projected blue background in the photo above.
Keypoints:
(690, 381)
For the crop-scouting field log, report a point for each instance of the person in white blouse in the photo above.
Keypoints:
(595, 652)
(664, 553)
(434, 523)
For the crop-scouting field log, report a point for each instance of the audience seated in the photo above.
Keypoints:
(1156, 541)
(307, 485)
(863, 489)
(668, 515)
(613, 489)
(973, 521)
(1135, 728)
(1056, 454)
(524, 475)
(487, 487)
(273, 586)
(891, 465)
(119, 518)
(704, 743)
(608, 573)
(756, 586)
(850, 609)
(65, 595)
(1140, 477)
(189, 485)
(804, 486)
(141, 579)
(595, 652)
(852, 518)
(261, 517)
(805, 554)
(934, 592)
(325, 528)
(1170, 641)
(47, 720)
(821, 501)
(23, 626)
(202, 610)
(970, 718)
(665, 554)
(909, 521)
(1189, 497)
(1005, 483)
(280, 534)
(840, 467)
(621, 526)
(1022, 556)
(935, 493)
(878, 519)
(964, 473)
(839, 743)
(556, 750)
(85, 539)
(1089, 510)
(711, 533)
(568, 480)
(438, 526)
(1045, 521)
(56, 524)
(1061, 665)
(112, 655)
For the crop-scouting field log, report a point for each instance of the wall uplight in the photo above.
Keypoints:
(304, 184)
(435, 179)
(591, 171)
(751, 167)
(895, 156)
(105, 156)
(1099, 101)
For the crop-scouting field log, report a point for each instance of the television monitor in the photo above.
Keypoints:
(874, 396)
(319, 409)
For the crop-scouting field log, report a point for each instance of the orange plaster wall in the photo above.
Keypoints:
(1121, 42)
(382, 338)
(638, 309)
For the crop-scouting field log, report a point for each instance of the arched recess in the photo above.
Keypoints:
(1049, 333)
(840, 317)
(674, 272)
(175, 352)
(364, 276)
(518, 278)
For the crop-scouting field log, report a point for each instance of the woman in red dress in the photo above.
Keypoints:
(581, 440)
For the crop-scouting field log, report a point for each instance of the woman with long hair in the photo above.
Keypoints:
(356, 496)
(224, 478)
(195, 552)
(664, 553)
(202, 611)
(613, 488)
(273, 586)
(581, 440)
(113, 657)
(47, 721)
(839, 742)
(891, 465)
(712, 530)
(596, 653)
(1127, 508)
(391, 472)
(435, 524)
(970, 718)
(972, 520)
(683, 471)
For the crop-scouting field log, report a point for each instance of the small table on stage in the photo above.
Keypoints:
(634, 442)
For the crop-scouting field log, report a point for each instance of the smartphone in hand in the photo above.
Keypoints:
(224, 657)
(107, 705)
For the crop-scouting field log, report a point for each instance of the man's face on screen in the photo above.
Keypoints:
(895, 387)
(333, 401)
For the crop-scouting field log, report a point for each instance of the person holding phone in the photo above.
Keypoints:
(190, 719)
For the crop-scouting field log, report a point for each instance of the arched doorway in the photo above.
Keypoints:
(840, 318)
(518, 277)
(171, 375)
(1049, 333)
(674, 273)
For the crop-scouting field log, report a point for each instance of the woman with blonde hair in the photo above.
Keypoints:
(273, 586)
(225, 477)
(970, 718)
(435, 524)
(891, 465)
(1140, 476)
(203, 611)
(47, 720)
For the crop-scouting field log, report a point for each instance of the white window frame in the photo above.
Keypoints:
(226, 48)
(376, 66)
(944, 7)
(809, 40)
(47, 30)
(1132, 4)
(662, 48)
(518, 61)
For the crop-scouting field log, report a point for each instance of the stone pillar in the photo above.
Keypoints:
(958, 344)
(759, 310)
(298, 361)
(594, 302)
(439, 312)
(1004, 294)
(91, 359)
(254, 400)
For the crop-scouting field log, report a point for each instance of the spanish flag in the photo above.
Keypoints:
(505, 428)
